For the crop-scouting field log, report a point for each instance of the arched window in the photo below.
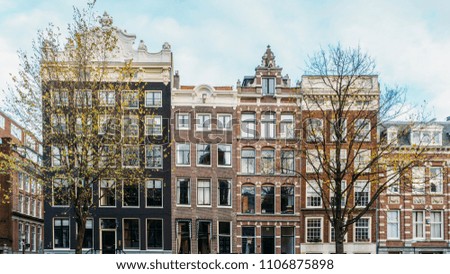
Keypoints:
(248, 199)
(268, 199)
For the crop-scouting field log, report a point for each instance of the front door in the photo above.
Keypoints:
(108, 242)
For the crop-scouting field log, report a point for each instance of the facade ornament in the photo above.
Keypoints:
(268, 59)
(106, 20)
(142, 46)
(166, 46)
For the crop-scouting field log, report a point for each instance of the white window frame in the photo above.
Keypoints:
(138, 185)
(311, 193)
(162, 234)
(270, 161)
(61, 181)
(81, 100)
(53, 233)
(16, 131)
(363, 130)
(147, 92)
(154, 180)
(286, 169)
(393, 221)
(134, 122)
(177, 160)
(197, 158)
(224, 235)
(307, 227)
(227, 126)
(189, 194)
(105, 100)
(364, 187)
(268, 124)
(203, 188)
(139, 235)
(153, 118)
(59, 103)
(250, 132)
(416, 223)
(253, 171)
(418, 180)
(110, 184)
(433, 223)
(312, 159)
(178, 126)
(436, 179)
(230, 193)
(333, 136)
(153, 147)
(138, 159)
(362, 160)
(231, 155)
(314, 130)
(393, 181)
(369, 230)
(198, 122)
(125, 98)
(287, 126)
(268, 86)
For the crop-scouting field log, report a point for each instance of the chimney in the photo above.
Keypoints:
(176, 80)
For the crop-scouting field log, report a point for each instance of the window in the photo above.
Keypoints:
(60, 98)
(224, 238)
(203, 154)
(107, 98)
(183, 237)
(131, 234)
(61, 192)
(313, 194)
(20, 243)
(267, 240)
(203, 192)
(418, 225)
(130, 126)
(362, 160)
(287, 240)
(130, 156)
(248, 125)
(287, 126)
(130, 99)
(393, 180)
(342, 160)
(362, 230)
(153, 125)
(130, 194)
(224, 155)
(248, 199)
(107, 193)
(436, 225)
(154, 234)
(27, 233)
(204, 237)
(393, 225)
(26, 182)
(362, 190)
(268, 86)
(38, 209)
(333, 189)
(153, 193)
(16, 131)
(248, 161)
(224, 122)
(59, 125)
(33, 207)
(27, 205)
(2, 122)
(287, 200)
(314, 130)
(392, 135)
(61, 233)
(20, 203)
(224, 198)
(338, 129)
(153, 98)
(183, 121)
(107, 156)
(427, 137)
(268, 125)
(88, 241)
(436, 180)
(313, 230)
(268, 161)
(267, 199)
(38, 237)
(108, 125)
(183, 192)
(287, 162)
(313, 161)
(362, 130)
(83, 126)
(183, 154)
(418, 180)
(248, 240)
(203, 122)
(83, 98)
(153, 156)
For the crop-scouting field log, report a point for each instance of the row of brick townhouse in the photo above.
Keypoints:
(222, 167)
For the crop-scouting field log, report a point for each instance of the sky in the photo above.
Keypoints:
(219, 42)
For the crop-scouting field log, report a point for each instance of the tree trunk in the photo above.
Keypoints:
(339, 237)
(81, 222)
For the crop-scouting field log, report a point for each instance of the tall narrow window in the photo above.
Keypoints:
(313, 230)
(224, 238)
(393, 180)
(130, 156)
(287, 126)
(224, 155)
(153, 193)
(203, 154)
(224, 192)
(314, 161)
(268, 128)
(153, 125)
(313, 194)
(248, 161)
(287, 162)
(153, 98)
(203, 192)
(362, 192)
(107, 193)
(338, 128)
(183, 237)
(436, 225)
(436, 179)
(83, 98)
(268, 86)
(362, 230)
(248, 125)
(418, 225)
(248, 199)
(248, 240)
(341, 159)
(131, 234)
(183, 192)
(268, 161)
(393, 224)
(314, 130)
(130, 194)
(60, 97)
(287, 240)
(287, 199)
(154, 234)
(268, 240)
(204, 237)
(61, 235)
(418, 180)
(130, 126)
(267, 199)
(88, 241)
(183, 156)
(59, 124)
(343, 195)
(153, 156)
(362, 160)
(362, 130)
(61, 192)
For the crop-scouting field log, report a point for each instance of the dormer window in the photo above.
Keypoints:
(392, 135)
(430, 136)
(268, 86)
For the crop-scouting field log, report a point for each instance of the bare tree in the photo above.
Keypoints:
(344, 158)
(83, 106)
